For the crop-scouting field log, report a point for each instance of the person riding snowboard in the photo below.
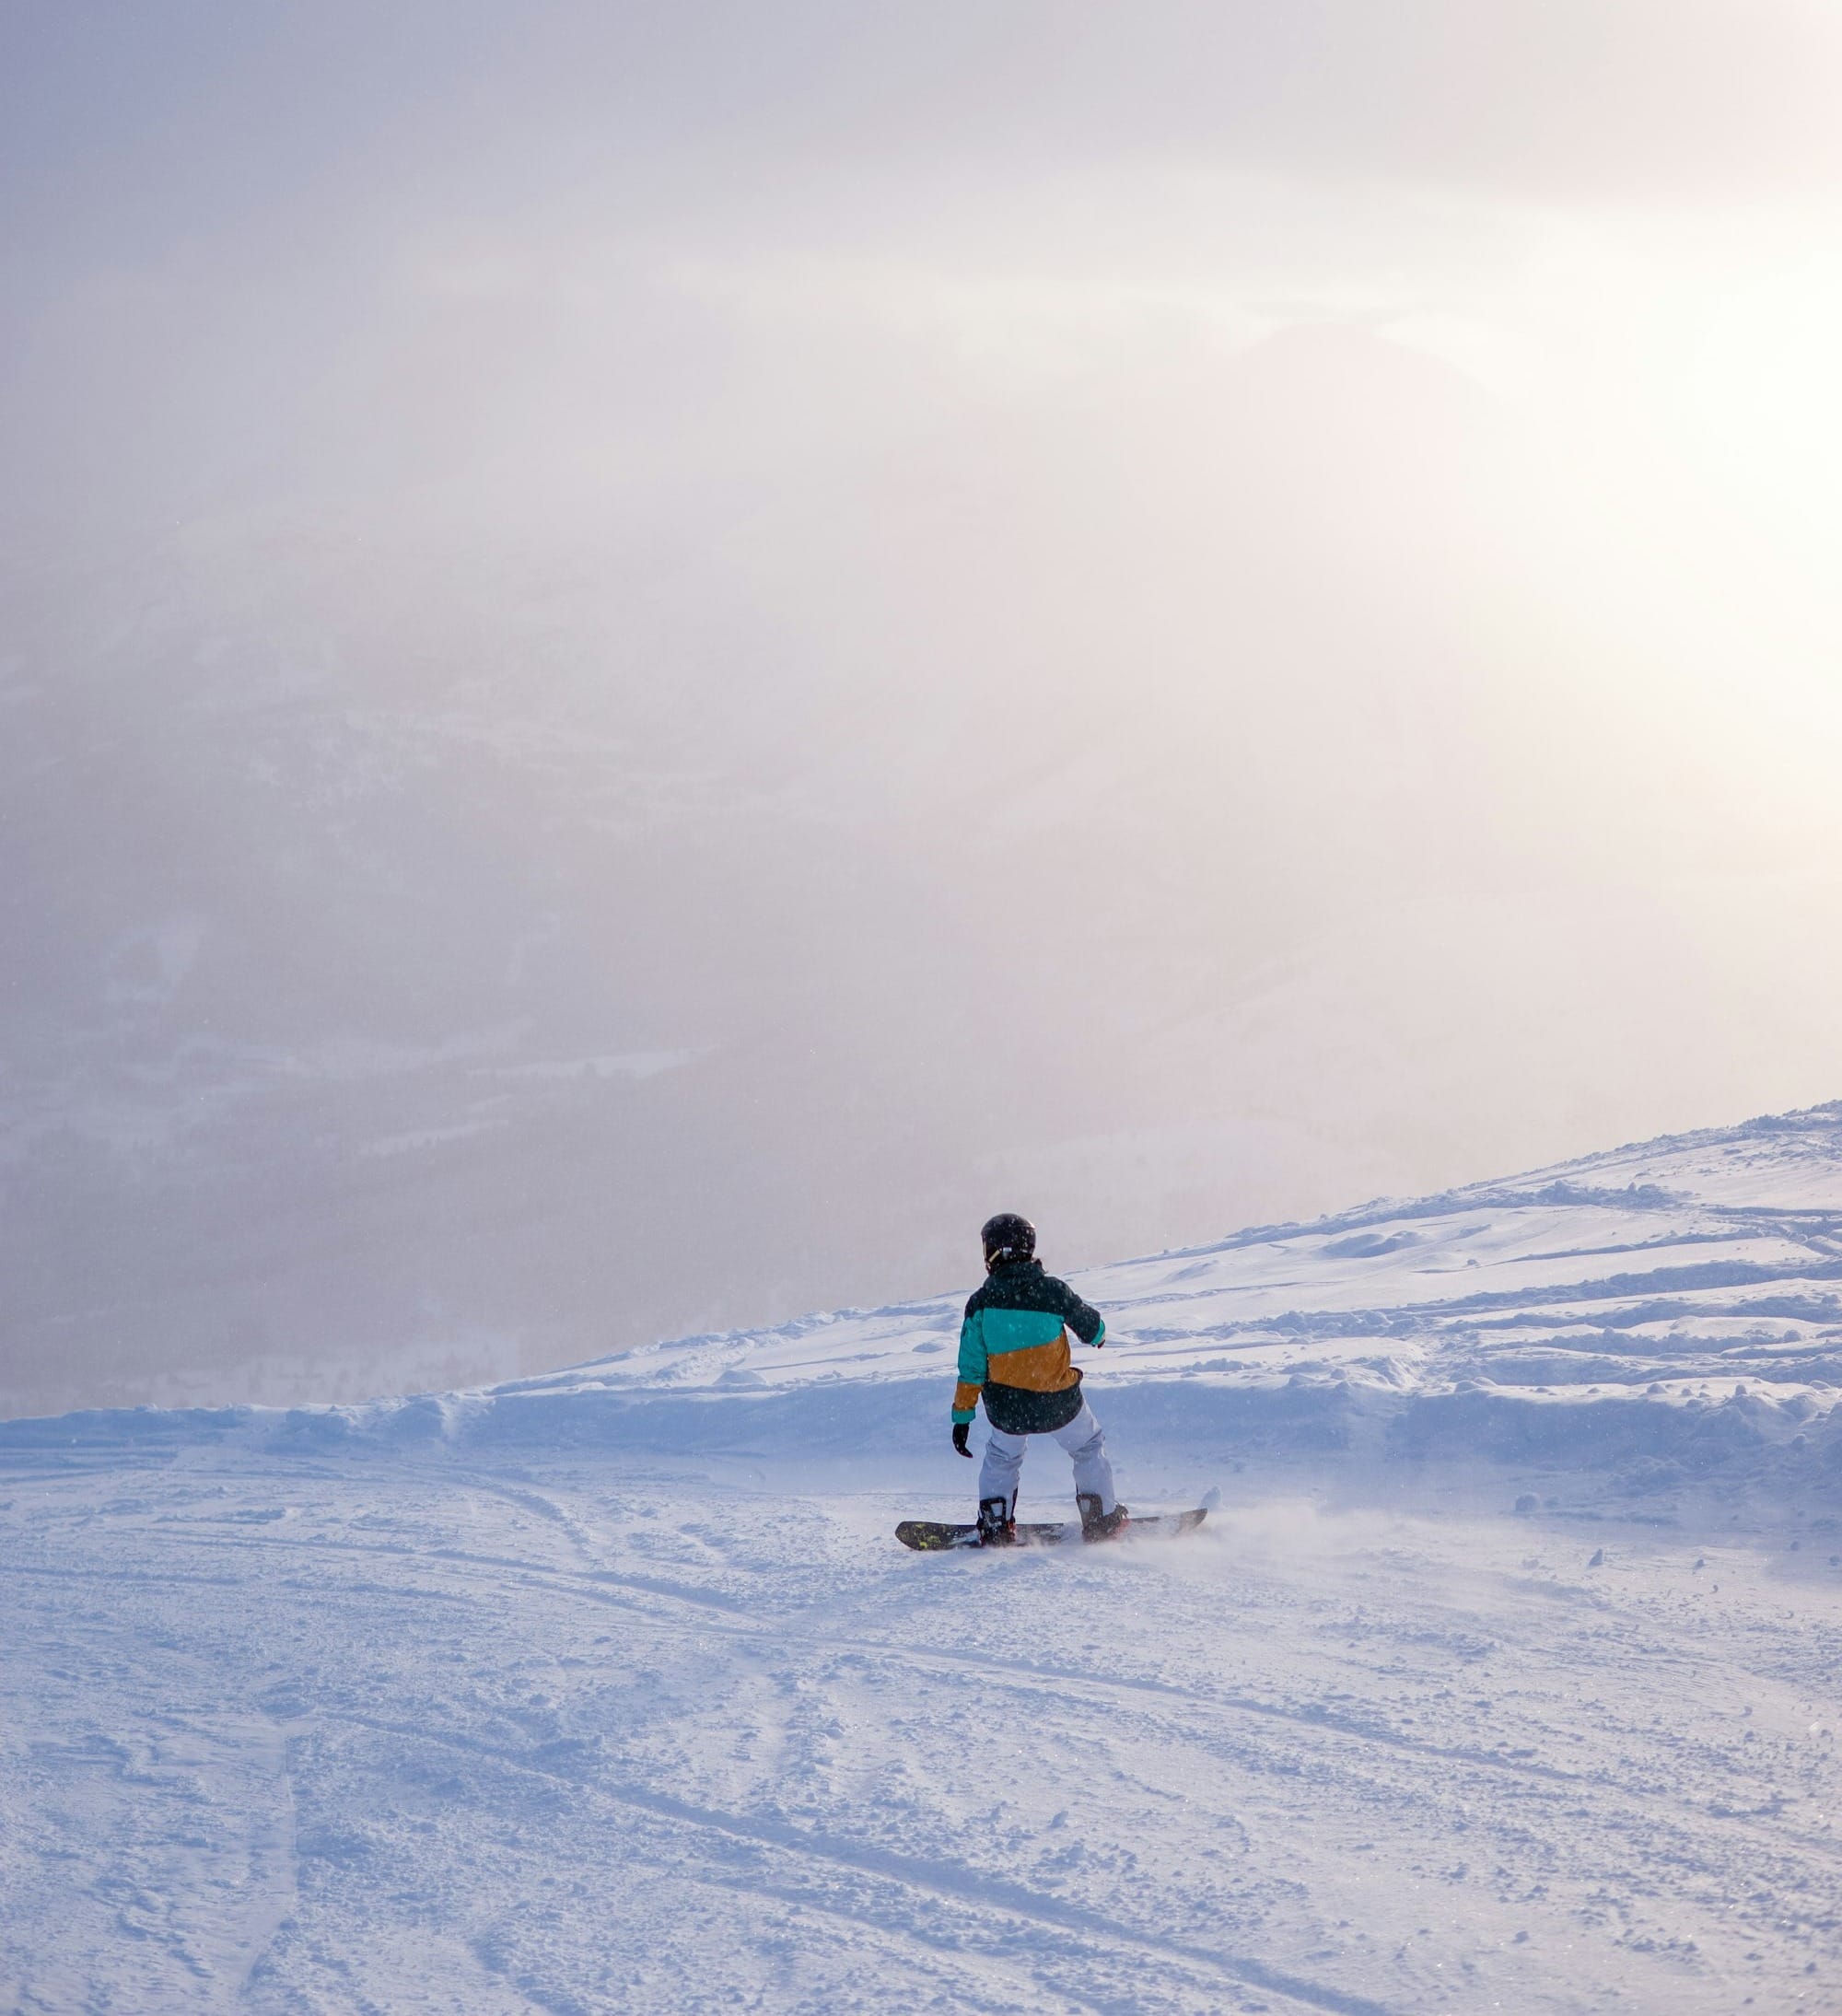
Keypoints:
(1014, 1355)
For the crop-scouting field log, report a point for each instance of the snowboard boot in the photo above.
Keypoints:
(997, 1527)
(1096, 1524)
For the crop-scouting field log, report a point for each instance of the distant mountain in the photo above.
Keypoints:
(446, 935)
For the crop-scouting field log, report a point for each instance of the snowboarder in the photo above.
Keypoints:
(1014, 1355)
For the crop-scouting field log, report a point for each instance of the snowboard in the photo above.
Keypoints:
(929, 1536)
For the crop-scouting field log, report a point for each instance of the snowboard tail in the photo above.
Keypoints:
(932, 1536)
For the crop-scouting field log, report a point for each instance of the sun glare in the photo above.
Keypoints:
(1762, 401)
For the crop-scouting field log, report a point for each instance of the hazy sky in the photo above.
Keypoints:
(251, 248)
(1169, 615)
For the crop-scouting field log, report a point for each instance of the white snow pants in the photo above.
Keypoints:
(1083, 1440)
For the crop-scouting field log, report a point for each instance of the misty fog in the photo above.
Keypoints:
(650, 658)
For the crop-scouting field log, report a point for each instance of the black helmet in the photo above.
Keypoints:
(1007, 1237)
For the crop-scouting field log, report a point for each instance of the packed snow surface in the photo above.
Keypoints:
(1504, 1677)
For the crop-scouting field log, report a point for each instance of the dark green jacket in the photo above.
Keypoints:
(1014, 1350)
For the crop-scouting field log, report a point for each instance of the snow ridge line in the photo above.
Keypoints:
(1412, 1319)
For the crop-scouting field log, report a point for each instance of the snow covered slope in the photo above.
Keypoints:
(1658, 1316)
(611, 1691)
(1666, 1311)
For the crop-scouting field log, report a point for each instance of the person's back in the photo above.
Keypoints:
(1014, 1349)
(1014, 1355)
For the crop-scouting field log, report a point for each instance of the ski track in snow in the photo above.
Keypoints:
(610, 1691)
(415, 1737)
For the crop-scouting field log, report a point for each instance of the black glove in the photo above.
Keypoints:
(961, 1430)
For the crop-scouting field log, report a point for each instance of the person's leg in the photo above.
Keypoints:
(999, 1473)
(1087, 1446)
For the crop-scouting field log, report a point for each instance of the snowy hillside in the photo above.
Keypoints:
(1534, 1319)
(1504, 1678)
(1653, 1316)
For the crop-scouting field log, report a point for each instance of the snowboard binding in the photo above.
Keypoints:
(997, 1524)
(1096, 1524)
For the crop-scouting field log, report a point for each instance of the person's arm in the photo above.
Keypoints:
(1084, 1320)
(971, 1367)
(972, 1377)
